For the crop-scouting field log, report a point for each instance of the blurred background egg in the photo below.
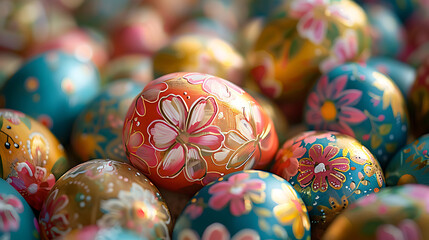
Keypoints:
(97, 131)
(300, 40)
(17, 218)
(362, 103)
(52, 88)
(200, 53)
(394, 213)
(9, 63)
(85, 44)
(387, 32)
(248, 204)
(107, 194)
(329, 171)
(402, 74)
(185, 130)
(410, 164)
(31, 157)
(418, 101)
(134, 66)
(95, 232)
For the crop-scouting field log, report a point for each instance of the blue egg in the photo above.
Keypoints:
(362, 103)
(249, 204)
(53, 88)
(17, 220)
(410, 165)
(388, 35)
(401, 73)
(97, 132)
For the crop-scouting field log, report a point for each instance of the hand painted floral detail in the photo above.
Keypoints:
(288, 155)
(137, 209)
(290, 210)
(322, 168)
(184, 134)
(331, 107)
(10, 206)
(12, 116)
(406, 230)
(389, 94)
(32, 182)
(217, 231)
(224, 90)
(149, 94)
(310, 137)
(141, 155)
(310, 26)
(194, 210)
(345, 49)
(104, 168)
(239, 191)
(263, 73)
(247, 143)
(53, 223)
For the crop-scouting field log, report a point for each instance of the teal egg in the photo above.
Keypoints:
(249, 204)
(330, 171)
(97, 131)
(362, 103)
(401, 73)
(410, 164)
(17, 220)
(53, 87)
(388, 34)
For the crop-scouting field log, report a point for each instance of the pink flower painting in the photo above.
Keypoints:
(10, 207)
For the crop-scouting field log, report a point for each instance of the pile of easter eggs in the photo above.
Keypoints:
(214, 119)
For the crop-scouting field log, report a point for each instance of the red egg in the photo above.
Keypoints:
(187, 129)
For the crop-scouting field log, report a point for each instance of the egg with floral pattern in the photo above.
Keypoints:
(31, 158)
(107, 194)
(399, 212)
(249, 204)
(329, 170)
(304, 38)
(200, 53)
(187, 129)
(17, 218)
(97, 131)
(362, 103)
(410, 164)
(53, 88)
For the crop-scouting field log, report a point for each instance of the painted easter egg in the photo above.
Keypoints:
(97, 131)
(17, 218)
(107, 194)
(140, 32)
(134, 66)
(187, 129)
(387, 32)
(249, 204)
(95, 232)
(52, 88)
(363, 103)
(200, 53)
(402, 74)
(329, 170)
(409, 164)
(418, 101)
(399, 212)
(303, 39)
(31, 157)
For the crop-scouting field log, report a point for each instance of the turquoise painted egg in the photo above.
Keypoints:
(53, 88)
(97, 131)
(362, 103)
(410, 164)
(17, 220)
(402, 74)
(329, 170)
(387, 31)
(249, 204)
(400, 212)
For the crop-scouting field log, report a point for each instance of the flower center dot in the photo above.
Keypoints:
(328, 111)
(320, 168)
(236, 190)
